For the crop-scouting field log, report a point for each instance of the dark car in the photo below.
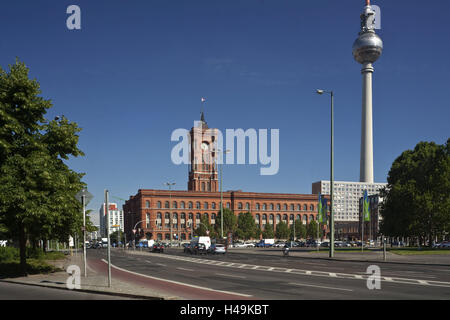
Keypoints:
(200, 248)
(158, 247)
(187, 248)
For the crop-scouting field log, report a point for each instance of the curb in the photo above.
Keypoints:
(118, 294)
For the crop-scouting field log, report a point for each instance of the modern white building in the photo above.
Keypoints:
(115, 219)
(346, 196)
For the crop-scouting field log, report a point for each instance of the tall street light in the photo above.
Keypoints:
(170, 184)
(319, 91)
(221, 191)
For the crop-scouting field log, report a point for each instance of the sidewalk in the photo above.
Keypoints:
(96, 282)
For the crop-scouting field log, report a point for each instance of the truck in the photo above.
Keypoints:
(264, 243)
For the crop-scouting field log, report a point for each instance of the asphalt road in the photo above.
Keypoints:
(14, 291)
(263, 276)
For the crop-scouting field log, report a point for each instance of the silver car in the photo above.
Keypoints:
(218, 248)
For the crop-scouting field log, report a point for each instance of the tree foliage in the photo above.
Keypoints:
(229, 222)
(37, 189)
(246, 227)
(282, 230)
(417, 197)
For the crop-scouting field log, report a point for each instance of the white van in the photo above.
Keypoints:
(204, 240)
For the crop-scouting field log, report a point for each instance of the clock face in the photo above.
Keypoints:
(204, 146)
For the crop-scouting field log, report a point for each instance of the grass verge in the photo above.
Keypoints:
(36, 262)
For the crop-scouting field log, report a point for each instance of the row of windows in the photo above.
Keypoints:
(240, 206)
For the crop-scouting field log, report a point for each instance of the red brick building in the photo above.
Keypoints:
(149, 211)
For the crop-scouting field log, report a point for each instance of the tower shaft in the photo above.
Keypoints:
(366, 162)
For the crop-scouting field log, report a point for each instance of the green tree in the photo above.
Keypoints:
(300, 230)
(204, 227)
(311, 229)
(114, 235)
(282, 230)
(268, 232)
(37, 188)
(229, 222)
(246, 226)
(417, 197)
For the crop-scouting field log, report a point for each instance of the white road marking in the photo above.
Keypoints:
(230, 275)
(177, 282)
(185, 269)
(392, 279)
(162, 265)
(316, 286)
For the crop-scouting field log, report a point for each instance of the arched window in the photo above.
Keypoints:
(292, 207)
(264, 219)
(205, 206)
(158, 204)
(228, 205)
(183, 215)
(284, 217)
(271, 207)
(197, 205)
(213, 216)
(190, 205)
(247, 206)
(257, 218)
(174, 205)
(147, 204)
(278, 207)
(166, 205)
(206, 216)
(311, 217)
(197, 216)
(240, 205)
(305, 207)
(191, 216)
(182, 205)
(264, 207)
(285, 207)
(271, 219)
(278, 219)
(158, 215)
(311, 207)
(298, 207)
(257, 206)
(305, 218)
(291, 217)
(213, 205)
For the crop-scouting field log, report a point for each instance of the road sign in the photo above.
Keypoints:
(87, 196)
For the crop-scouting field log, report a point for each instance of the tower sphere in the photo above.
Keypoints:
(367, 48)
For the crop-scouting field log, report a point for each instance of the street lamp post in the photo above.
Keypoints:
(170, 184)
(221, 191)
(331, 172)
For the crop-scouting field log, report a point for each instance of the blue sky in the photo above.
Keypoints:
(137, 70)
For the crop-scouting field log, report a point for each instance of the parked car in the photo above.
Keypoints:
(217, 248)
(200, 248)
(444, 245)
(157, 247)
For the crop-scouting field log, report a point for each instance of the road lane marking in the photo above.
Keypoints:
(177, 282)
(316, 286)
(230, 275)
(161, 264)
(185, 269)
(355, 276)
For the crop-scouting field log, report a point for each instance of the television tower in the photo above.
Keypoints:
(367, 49)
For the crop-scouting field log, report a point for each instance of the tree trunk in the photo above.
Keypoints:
(22, 249)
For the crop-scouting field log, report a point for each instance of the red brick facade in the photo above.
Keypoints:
(153, 209)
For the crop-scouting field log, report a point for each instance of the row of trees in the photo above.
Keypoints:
(37, 188)
(244, 227)
(417, 197)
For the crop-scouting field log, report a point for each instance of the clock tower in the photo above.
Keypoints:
(203, 168)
